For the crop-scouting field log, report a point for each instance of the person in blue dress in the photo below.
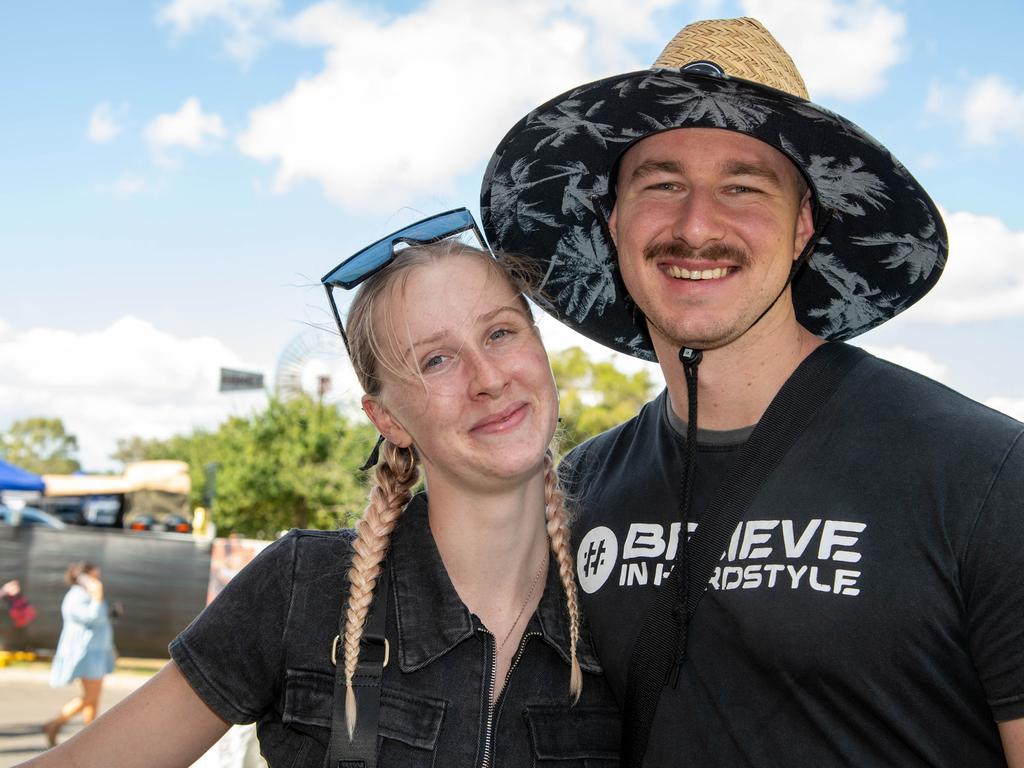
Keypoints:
(85, 650)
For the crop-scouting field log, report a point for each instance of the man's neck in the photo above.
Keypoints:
(737, 382)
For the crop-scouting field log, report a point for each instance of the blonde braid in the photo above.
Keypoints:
(558, 533)
(395, 476)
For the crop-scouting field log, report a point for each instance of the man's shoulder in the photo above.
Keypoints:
(918, 398)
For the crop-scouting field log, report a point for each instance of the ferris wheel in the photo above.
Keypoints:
(314, 362)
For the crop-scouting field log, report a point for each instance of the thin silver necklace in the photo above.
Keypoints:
(533, 588)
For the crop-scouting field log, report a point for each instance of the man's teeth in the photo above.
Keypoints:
(697, 274)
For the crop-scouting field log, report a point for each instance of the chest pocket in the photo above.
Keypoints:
(409, 729)
(306, 715)
(581, 737)
(408, 726)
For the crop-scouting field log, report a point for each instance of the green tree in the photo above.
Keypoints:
(294, 464)
(40, 445)
(595, 395)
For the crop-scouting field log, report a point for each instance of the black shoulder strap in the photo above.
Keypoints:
(361, 751)
(653, 661)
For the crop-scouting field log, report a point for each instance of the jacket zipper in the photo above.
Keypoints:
(493, 708)
(489, 725)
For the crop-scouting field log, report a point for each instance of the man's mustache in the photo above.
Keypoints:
(714, 252)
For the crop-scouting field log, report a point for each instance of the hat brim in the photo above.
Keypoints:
(546, 195)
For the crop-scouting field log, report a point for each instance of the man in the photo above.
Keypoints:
(868, 607)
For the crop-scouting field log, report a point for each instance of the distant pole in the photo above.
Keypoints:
(210, 490)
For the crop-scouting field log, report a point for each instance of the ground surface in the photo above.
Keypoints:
(27, 701)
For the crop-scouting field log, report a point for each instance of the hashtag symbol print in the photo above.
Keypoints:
(593, 558)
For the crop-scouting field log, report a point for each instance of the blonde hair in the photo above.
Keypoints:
(397, 472)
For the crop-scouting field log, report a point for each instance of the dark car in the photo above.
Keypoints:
(171, 523)
(30, 516)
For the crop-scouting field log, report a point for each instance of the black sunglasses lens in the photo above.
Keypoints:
(355, 269)
(368, 261)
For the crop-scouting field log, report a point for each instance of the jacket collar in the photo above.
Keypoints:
(430, 616)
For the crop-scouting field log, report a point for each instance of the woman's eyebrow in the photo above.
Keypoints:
(428, 340)
(486, 318)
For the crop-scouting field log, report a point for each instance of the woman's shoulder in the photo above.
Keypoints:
(289, 563)
(315, 555)
(309, 543)
(302, 542)
(316, 535)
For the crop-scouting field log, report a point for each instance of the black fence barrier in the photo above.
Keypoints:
(160, 579)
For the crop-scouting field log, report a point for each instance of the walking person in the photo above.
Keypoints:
(445, 629)
(85, 650)
(797, 554)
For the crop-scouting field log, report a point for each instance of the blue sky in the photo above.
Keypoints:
(177, 175)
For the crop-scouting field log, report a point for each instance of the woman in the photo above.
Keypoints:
(85, 650)
(484, 659)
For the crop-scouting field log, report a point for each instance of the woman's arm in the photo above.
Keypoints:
(1012, 733)
(80, 606)
(164, 724)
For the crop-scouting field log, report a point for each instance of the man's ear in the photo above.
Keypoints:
(804, 225)
(385, 422)
(613, 219)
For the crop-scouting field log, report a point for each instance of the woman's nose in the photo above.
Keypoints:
(489, 376)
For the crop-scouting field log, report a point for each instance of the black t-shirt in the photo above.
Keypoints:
(869, 609)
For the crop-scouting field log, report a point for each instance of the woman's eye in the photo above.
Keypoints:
(500, 333)
(433, 362)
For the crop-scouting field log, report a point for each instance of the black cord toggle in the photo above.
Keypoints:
(690, 357)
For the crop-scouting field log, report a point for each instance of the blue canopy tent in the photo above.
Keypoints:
(14, 478)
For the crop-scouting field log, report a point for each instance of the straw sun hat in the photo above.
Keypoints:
(549, 187)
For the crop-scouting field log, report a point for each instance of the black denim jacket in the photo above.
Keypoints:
(261, 652)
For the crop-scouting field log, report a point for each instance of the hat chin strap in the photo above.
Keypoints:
(690, 359)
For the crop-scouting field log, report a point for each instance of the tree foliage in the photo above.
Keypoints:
(295, 464)
(40, 445)
(595, 395)
(292, 465)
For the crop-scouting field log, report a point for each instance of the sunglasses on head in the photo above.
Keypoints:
(457, 224)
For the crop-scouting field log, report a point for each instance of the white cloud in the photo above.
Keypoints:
(937, 100)
(843, 49)
(989, 109)
(405, 104)
(189, 127)
(247, 20)
(103, 127)
(984, 278)
(129, 185)
(993, 108)
(1008, 405)
(127, 379)
(913, 359)
(612, 23)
